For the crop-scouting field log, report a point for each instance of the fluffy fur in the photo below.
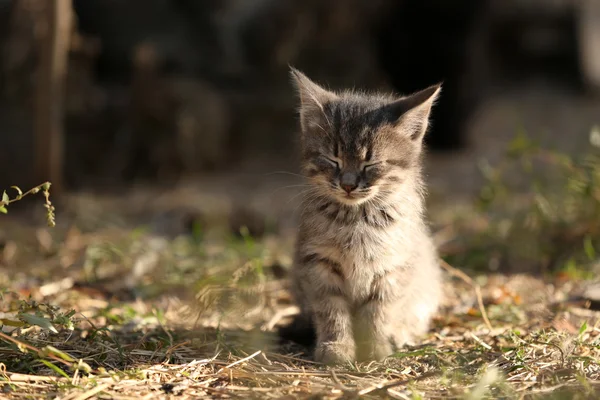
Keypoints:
(366, 275)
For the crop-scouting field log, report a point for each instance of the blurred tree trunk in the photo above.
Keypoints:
(589, 41)
(49, 114)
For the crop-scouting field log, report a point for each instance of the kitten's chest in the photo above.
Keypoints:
(363, 251)
(361, 245)
(365, 255)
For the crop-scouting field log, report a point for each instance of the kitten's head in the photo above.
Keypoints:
(357, 147)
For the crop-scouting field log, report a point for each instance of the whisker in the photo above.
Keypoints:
(301, 193)
(305, 185)
(286, 173)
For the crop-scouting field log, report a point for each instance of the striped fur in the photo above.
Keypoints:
(365, 272)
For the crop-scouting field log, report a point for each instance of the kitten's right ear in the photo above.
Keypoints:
(412, 112)
(312, 98)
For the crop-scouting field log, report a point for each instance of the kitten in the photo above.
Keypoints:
(366, 273)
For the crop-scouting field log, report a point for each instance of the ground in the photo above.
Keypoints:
(178, 291)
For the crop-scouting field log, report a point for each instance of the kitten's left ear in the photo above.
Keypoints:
(312, 98)
(411, 113)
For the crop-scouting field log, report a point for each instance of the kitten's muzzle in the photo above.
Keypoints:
(349, 181)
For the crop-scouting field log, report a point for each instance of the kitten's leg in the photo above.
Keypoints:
(376, 325)
(374, 337)
(398, 310)
(335, 341)
(330, 310)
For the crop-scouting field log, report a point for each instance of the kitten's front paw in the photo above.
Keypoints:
(333, 353)
(374, 351)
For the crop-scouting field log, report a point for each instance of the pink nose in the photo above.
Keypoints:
(349, 188)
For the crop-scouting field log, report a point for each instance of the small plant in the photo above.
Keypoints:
(44, 188)
(541, 210)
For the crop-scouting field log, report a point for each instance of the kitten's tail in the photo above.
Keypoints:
(301, 331)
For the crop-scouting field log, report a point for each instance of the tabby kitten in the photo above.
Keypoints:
(366, 274)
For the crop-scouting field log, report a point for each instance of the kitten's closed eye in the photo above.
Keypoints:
(334, 162)
(371, 165)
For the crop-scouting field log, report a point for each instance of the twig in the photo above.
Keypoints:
(481, 342)
(40, 352)
(32, 348)
(44, 187)
(34, 190)
(92, 392)
(466, 278)
(16, 377)
(251, 356)
(381, 388)
(279, 315)
(339, 383)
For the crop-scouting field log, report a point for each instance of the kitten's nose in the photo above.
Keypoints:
(349, 188)
(349, 182)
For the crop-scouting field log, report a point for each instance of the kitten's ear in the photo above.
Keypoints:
(411, 113)
(312, 97)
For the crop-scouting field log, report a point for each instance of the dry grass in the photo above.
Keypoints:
(143, 340)
(91, 310)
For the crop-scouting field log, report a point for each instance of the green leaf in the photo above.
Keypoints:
(5, 198)
(38, 321)
(583, 328)
(10, 322)
(61, 354)
(588, 246)
(55, 369)
(3, 210)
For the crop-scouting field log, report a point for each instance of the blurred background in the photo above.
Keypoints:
(168, 129)
(98, 95)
